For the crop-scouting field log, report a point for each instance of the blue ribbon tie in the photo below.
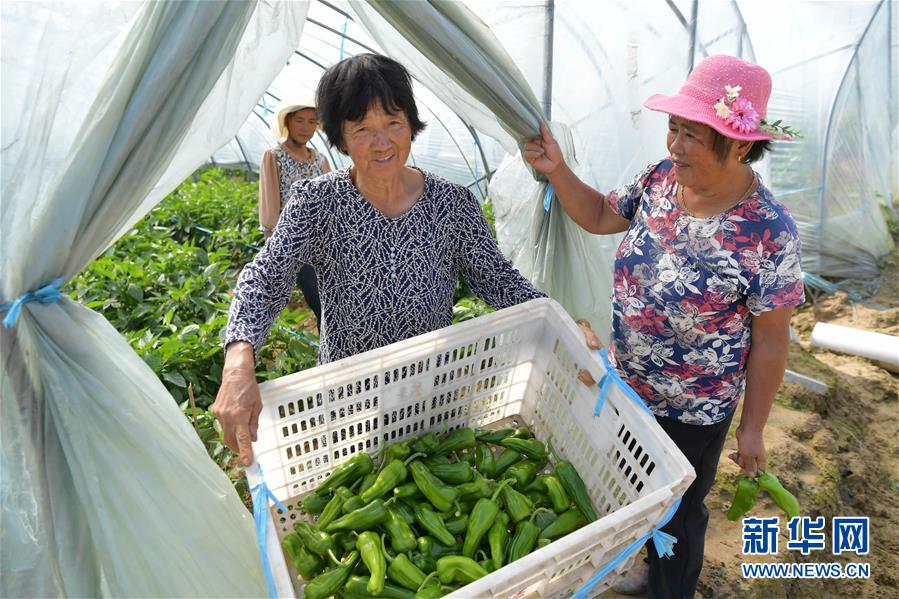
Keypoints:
(604, 383)
(663, 542)
(47, 294)
(548, 197)
(261, 494)
(613, 376)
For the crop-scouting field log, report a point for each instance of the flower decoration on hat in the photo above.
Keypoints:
(739, 114)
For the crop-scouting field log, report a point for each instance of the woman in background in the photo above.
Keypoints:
(290, 161)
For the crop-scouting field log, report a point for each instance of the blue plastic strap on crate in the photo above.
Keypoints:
(548, 197)
(261, 494)
(611, 376)
(663, 542)
(47, 294)
(604, 384)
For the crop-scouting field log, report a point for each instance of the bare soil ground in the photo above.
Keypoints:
(839, 454)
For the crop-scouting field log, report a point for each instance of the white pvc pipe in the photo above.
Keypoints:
(874, 346)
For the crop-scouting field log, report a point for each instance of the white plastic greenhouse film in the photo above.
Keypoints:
(107, 490)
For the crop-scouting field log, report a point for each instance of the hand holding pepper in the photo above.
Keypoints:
(751, 455)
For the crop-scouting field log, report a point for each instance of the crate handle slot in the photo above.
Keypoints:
(260, 494)
(612, 377)
(663, 542)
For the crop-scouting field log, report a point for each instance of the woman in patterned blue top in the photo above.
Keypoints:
(386, 241)
(705, 281)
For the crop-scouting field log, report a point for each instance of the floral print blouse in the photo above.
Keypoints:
(381, 279)
(686, 288)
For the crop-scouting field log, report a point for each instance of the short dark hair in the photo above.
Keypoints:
(721, 147)
(349, 88)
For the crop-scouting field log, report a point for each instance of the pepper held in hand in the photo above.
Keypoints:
(744, 498)
(783, 498)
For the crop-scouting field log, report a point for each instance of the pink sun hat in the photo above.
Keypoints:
(729, 95)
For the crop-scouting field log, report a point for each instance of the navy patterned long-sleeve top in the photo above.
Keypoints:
(380, 279)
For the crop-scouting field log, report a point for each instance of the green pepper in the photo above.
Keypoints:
(432, 522)
(466, 456)
(458, 568)
(493, 436)
(437, 460)
(367, 481)
(744, 498)
(783, 498)
(314, 503)
(388, 479)
(304, 561)
(517, 505)
(357, 588)
(462, 438)
(344, 475)
(345, 541)
(352, 504)
(453, 474)
(425, 563)
(327, 584)
(574, 486)
(541, 543)
(522, 433)
(316, 541)
(365, 518)
(402, 539)
(544, 517)
(522, 473)
(402, 571)
(484, 461)
(430, 546)
(430, 588)
(567, 522)
(556, 492)
(538, 499)
(395, 451)
(523, 541)
(308, 564)
(457, 525)
(407, 491)
(497, 537)
(334, 507)
(482, 517)
(532, 448)
(440, 495)
(426, 443)
(476, 489)
(369, 545)
(505, 459)
(403, 509)
(486, 563)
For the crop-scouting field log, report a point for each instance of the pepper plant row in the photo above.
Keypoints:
(434, 515)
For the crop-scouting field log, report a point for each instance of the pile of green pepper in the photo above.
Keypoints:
(437, 513)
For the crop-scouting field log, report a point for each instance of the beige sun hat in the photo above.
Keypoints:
(292, 104)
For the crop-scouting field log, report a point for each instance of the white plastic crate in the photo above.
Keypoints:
(520, 362)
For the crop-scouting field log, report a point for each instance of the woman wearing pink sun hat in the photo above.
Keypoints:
(705, 281)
